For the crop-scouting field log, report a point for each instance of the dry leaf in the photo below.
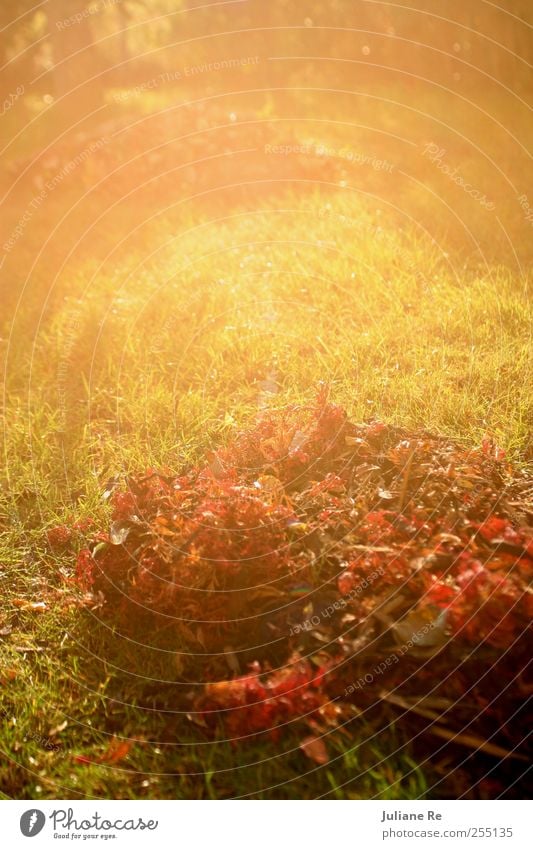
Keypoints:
(116, 751)
(57, 729)
(315, 749)
(36, 606)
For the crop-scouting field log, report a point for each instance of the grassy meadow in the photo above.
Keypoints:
(223, 250)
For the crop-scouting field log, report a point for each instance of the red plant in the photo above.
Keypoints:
(256, 702)
(484, 606)
(59, 536)
(62, 535)
(361, 516)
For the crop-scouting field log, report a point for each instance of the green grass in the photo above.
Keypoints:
(158, 352)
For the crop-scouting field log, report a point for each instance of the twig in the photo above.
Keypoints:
(405, 481)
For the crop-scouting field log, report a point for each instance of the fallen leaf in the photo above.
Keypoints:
(116, 751)
(315, 749)
(82, 759)
(9, 674)
(24, 604)
(58, 729)
(119, 532)
(38, 606)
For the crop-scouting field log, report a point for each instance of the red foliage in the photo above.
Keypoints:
(59, 536)
(494, 528)
(256, 702)
(299, 441)
(484, 606)
(85, 567)
(62, 535)
(491, 449)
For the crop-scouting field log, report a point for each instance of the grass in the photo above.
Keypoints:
(158, 336)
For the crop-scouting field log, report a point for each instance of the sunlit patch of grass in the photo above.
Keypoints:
(165, 364)
(158, 364)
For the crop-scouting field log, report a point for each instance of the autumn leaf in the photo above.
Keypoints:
(315, 749)
(115, 752)
(382, 544)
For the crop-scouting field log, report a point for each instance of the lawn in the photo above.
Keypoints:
(208, 263)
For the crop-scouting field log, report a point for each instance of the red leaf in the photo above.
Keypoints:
(116, 751)
(315, 749)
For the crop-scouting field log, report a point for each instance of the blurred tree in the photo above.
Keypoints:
(17, 28)
(72, 42)
(61, 44)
